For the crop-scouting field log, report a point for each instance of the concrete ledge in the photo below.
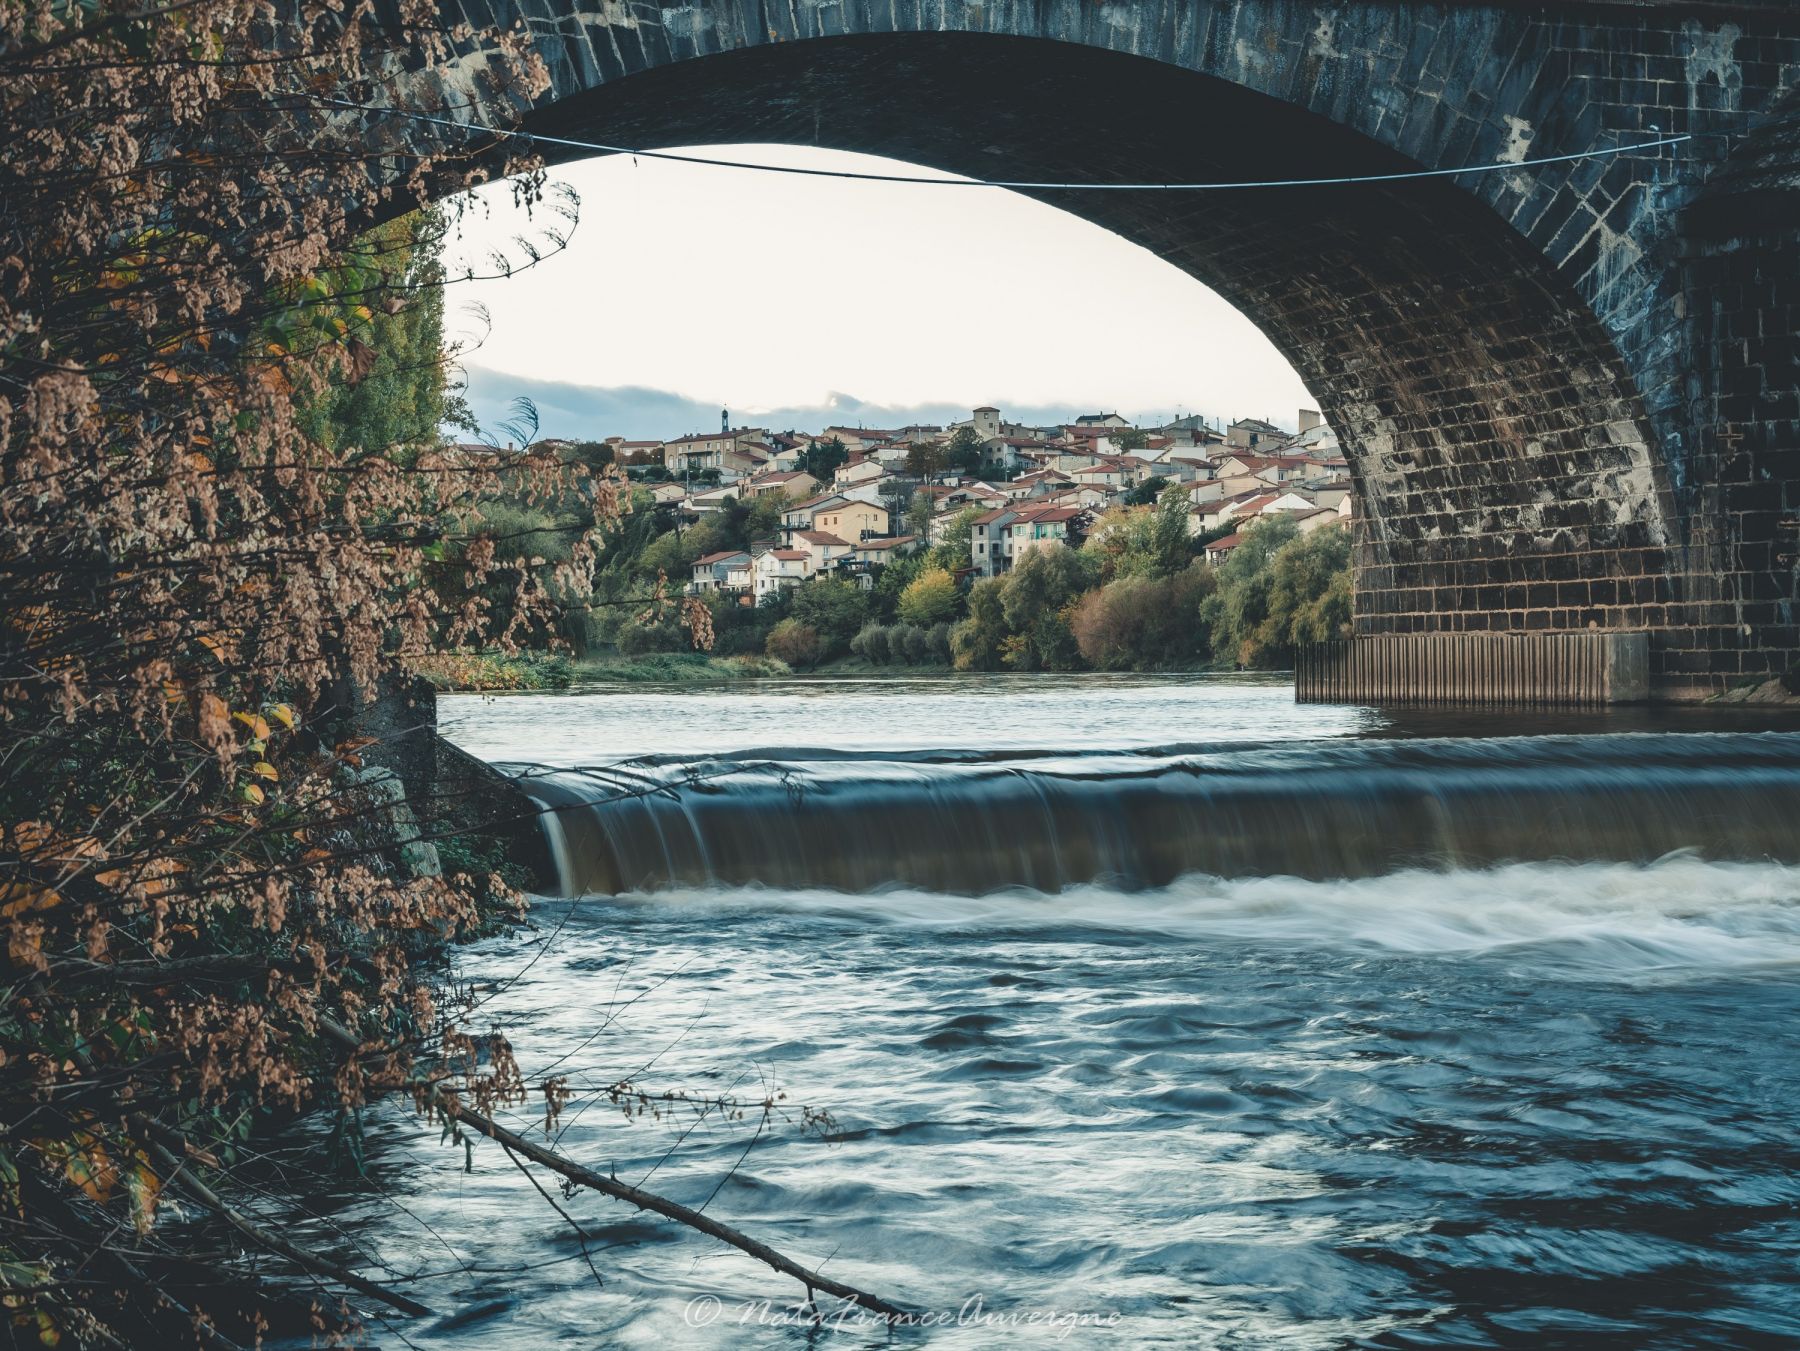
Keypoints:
(1604, 667)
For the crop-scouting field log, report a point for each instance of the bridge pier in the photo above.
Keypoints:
(1492, 669)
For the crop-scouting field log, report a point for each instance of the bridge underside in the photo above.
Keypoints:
(1508, 478)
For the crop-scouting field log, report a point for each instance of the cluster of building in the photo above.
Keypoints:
(1033, 488)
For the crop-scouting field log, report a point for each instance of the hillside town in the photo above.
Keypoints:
(860, 497)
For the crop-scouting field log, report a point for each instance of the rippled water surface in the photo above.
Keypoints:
(1539, 1104)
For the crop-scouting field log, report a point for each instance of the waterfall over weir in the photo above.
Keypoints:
(1048, 821)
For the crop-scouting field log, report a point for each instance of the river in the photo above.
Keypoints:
(1162, 1007)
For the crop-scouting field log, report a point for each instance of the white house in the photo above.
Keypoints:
(713, 498)
(885, 550)
(859, 470)
(778, 569)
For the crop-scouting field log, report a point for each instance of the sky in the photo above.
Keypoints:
(800, 302)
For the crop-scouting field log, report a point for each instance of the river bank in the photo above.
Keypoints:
(499, 673)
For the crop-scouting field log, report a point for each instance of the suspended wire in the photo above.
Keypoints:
(1026, 185)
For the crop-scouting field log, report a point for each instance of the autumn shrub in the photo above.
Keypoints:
(215, 550)
(796, 644)
(1140, 623)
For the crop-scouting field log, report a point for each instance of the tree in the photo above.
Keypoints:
(871, 644)
(1169, 550)
(930, 598)
(673, 552)
(1127, 439)
(226, 522)
(1310, 590)
(1238, 612)
(925, 459)
(1037, 600)
(1146, 492)
(1145, 624)
(952, 549)
(978, 643)
(399, 397)
(834, 609)
(965, 451)
(762, 518)
(891, 581)
(1122, 543)
(822, 459)
(596, 455)
(795, 643)
(918, 514)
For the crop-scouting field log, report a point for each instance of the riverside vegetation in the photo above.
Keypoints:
(1137, 595)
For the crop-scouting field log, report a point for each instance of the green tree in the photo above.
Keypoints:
(1310, 588)
(1128, 439)
(596, 455)
(891, 580)
(1146, 492)
(1279, 588)
(762, 518)
(1169, 550)
(871, 644)
(930, 598)
(952, 551)
(834, 609)
(673, 552)
(822, 459)
(918, 514)
(1122, 543)
(1036, 601)
(396, 394)
(965, 451)
(978, 643)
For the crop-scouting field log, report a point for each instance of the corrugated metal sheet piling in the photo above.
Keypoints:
(1476, 668)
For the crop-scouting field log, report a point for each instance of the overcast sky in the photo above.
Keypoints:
(798, 301)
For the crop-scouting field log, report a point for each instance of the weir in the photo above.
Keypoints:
(1480, 669)
(1312, 810)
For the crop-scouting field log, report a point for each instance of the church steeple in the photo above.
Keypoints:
(724, 420)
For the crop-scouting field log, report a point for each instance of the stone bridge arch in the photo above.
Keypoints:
(1566, 404)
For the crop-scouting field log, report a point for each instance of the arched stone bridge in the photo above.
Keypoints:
(1570, 393)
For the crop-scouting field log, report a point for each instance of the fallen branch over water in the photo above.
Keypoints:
(674, 1210)
(637, 1196)
(184, 1178)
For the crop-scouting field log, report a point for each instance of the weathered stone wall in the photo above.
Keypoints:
(1568, 391)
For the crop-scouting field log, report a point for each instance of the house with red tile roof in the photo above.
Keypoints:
(779, 569)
